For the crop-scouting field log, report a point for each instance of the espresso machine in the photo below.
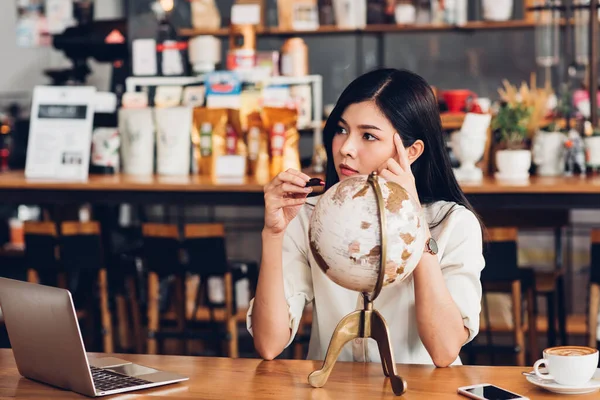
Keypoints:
(104, 41)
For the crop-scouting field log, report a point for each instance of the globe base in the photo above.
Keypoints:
(367, 323)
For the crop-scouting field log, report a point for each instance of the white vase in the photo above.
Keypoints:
(350, 14)
(513, 165)
(405, 14)
(549, 153)
(468, 149)
(497, 10)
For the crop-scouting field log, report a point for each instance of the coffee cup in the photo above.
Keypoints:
(568, 365)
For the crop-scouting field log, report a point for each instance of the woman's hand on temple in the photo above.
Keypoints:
(284, 196)
(398, 170)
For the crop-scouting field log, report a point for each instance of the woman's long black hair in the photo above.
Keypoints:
(408, 102)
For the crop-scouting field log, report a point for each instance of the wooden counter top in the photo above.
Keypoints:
(558, 192)
(223, 378)
(122, 182)
(16, 180)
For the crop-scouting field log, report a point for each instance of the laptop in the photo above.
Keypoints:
(47, 345)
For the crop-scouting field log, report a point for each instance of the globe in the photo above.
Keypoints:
(345, 234)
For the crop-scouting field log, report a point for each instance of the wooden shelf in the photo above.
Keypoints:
(386, 28)
(488, 25)
(452, 121)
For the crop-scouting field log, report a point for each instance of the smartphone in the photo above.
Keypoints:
(487, 391)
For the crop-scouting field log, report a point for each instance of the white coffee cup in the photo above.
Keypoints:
(568, 365)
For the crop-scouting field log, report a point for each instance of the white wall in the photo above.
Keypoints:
(23, 68)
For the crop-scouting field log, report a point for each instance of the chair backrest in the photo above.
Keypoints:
(205, 248)
(81, 246)
(500, 253)
(595, 256)
(525, 219)
(40, 245)
(593, 305)
(161, 248)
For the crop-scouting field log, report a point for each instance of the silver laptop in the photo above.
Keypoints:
(47, 345)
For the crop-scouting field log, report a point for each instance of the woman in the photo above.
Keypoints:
(386, 121)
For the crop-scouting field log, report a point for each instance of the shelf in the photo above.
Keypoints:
(489, 25)
(386, 28)
(452, 121)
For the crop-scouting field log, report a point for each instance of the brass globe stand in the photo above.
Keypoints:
(365, 323)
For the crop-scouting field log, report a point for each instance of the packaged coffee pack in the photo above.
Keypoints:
(173, 140)
(258, 147)
(136, 126)
(235, 134)
(208, 137)
(106, 144)
(284, 138)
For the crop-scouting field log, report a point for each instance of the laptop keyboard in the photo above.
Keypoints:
(108, 380)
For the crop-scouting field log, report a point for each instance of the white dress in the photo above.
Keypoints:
(459, 240)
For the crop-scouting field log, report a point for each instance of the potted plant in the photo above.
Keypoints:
(497, 10)
(513, 159)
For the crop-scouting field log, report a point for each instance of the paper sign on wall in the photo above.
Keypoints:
(60, 134)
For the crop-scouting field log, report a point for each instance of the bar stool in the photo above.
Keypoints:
(81, 255)
(302, 338)
(125, 281)
(204, 245)
(161, 255)
(502, 274)
(41, 254)
(593, 305)
(548, 284)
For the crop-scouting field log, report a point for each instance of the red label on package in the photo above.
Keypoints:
(231, 138)
(277, 139)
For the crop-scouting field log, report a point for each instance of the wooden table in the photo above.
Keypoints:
(539, 192)
(223, 378)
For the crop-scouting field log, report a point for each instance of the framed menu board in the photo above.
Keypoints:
(60, 134)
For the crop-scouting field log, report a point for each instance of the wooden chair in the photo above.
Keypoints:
(502, 274)
(205, 248)
(81, 256)
(548, 284)
(302, 339)
(41, 253)
(161, 254)
(123, 281)
(594, 290)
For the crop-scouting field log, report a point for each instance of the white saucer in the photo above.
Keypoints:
(554, 387)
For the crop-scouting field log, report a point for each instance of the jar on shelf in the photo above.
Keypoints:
(294, 58)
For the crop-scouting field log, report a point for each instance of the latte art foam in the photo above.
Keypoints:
(570, 351)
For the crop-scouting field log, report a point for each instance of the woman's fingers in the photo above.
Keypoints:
(291, 188)
(393, 166)
(388, 175)
(282, 202)
(290, 178)
(402, 153)
(300, 174)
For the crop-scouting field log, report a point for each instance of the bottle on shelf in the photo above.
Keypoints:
(294, 58)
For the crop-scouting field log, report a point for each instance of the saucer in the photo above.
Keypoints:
(590, 387)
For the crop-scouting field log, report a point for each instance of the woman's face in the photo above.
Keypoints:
(363, 141)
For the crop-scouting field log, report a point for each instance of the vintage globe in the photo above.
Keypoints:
(345, 235)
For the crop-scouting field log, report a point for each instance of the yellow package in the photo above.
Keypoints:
(235, 144)
(208, 137)
(284, 138)
(258, 145)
